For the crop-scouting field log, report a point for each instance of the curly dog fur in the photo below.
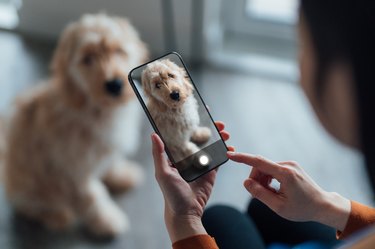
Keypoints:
(173, 107)
(62, 151)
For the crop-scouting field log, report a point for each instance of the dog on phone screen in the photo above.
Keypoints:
(64, 150)
(173, 107)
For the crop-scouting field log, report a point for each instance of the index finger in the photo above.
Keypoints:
(262, 164)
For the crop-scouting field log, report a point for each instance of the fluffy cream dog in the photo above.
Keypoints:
(63, 148)
(173, 107)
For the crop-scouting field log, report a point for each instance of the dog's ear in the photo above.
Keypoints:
(145, 80)
(60, 64)
(169, 63)
(140, 48)
(64, 51)
(189, 87)
(184, 73)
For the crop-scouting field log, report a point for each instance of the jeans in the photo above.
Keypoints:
(261, 228)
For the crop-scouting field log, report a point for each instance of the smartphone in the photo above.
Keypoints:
(179, 115)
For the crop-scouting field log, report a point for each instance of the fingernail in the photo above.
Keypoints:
(231, 153)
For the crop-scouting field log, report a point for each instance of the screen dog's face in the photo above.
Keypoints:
(99, 51)
(167, 83)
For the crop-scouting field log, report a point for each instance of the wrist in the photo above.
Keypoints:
(334, 211)
(182, 227)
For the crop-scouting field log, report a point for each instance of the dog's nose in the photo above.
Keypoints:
(175, 95)
(114, 86)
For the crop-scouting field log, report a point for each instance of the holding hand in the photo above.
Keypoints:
(184, 202)
(299, 197)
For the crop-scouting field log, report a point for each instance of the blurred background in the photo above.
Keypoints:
(243, 58)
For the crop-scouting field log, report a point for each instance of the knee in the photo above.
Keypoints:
(220, 215)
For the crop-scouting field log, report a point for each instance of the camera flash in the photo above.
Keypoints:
(203, 160)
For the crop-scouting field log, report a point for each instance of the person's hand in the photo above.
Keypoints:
(299, 198)
(184, 202)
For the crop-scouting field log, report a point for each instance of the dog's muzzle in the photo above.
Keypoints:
(114, 87)
(175, 95)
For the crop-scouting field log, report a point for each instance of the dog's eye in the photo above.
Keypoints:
(171, 75)
(158, 85)
(88, 59)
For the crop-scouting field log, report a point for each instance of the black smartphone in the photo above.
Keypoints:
(179, 115)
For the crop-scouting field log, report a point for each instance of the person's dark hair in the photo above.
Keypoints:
(344, 30)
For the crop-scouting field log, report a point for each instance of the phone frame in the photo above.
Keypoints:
(140, 99)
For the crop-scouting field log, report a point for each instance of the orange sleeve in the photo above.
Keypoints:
(202, 241)
(360, 217)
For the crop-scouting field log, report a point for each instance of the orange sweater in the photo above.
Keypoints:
(360, 217)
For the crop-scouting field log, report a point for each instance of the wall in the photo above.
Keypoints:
(47, 18)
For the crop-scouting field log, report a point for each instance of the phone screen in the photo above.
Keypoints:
(179, 115)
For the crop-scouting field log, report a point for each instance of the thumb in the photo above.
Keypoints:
(160, 162)
(258, 191)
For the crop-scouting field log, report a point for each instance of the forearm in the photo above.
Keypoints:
(183, 227)
(334, 210)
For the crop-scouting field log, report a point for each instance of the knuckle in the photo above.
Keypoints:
(258, 158)
(289, 174)
(295, 175)
(293, 163)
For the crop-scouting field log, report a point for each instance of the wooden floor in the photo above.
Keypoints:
(264, 116)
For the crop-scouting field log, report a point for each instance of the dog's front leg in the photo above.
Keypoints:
(122, 175)
(201, 135)
(100, 214)
(190, 148)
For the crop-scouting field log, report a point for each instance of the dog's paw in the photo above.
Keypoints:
(109, 223)
(59, 220)
(201, 135)
(121, 178)
(189, 149)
